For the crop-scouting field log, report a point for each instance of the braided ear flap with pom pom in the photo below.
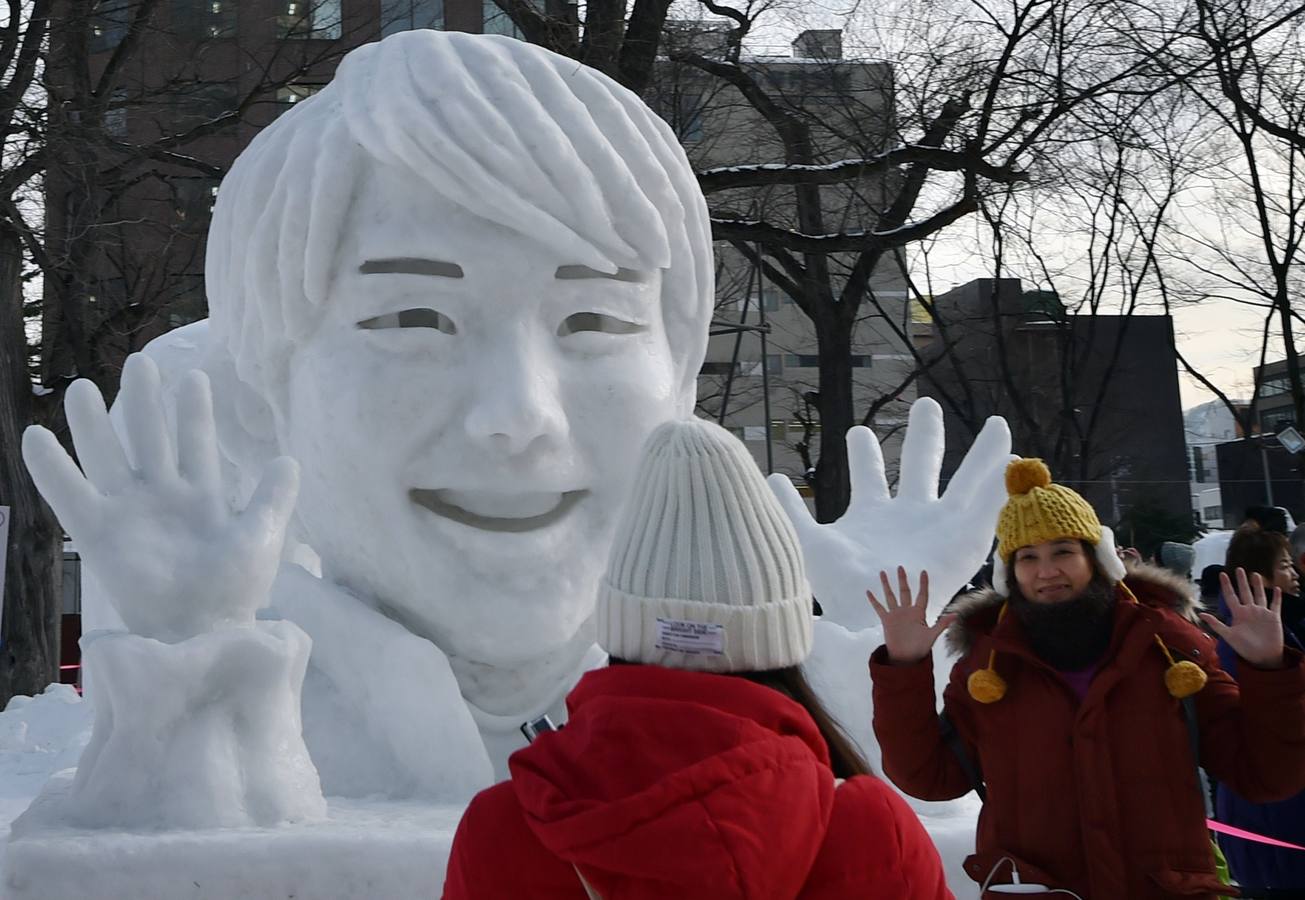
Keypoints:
(985, 685)
(1183, 679)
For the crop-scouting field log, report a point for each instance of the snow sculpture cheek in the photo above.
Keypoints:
(199, 734)
(468, 410)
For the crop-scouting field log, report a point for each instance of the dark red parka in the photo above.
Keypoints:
(670, 784)
(1098, 796)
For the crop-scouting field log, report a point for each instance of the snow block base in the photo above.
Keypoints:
(363, 850)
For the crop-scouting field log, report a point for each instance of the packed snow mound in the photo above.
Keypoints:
(361, 850)
(39, 736)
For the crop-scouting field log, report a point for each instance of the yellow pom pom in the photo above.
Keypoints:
(986, 686)
(1023, 475)
(1183, 679)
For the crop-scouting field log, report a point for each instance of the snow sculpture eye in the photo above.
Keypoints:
(591, 322)
(411, 318)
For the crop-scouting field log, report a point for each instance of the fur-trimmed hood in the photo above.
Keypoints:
(1153, 586)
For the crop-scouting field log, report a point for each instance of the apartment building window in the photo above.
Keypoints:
(687, 118)
(109, 22)
(199, 103)
(289, 94)
(316, 19)
(771, 296)
(204, 19)
(1273, 422)
(812, 361)
(193, 200)
(407, 15)
(115, 117)
(495, 21)
(716, 368)
(1275, 386)
(1210, 513)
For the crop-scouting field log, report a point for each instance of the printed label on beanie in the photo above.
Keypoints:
(693, 638)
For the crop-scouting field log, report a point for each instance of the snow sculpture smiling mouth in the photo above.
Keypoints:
(499, 512)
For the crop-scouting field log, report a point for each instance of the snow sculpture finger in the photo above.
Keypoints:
(948, 536)
(175, 561)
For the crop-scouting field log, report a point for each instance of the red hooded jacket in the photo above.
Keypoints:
(672, 784)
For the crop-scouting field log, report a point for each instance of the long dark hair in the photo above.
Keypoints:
(844, 757)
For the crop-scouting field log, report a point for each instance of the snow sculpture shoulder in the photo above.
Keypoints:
(460, 285)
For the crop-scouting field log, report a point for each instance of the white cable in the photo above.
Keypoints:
(1016, 886)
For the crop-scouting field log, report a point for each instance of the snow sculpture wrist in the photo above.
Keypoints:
(202, 733)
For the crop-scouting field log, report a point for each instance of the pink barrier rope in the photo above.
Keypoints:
(1249, 835)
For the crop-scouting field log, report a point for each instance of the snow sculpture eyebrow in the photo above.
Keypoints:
(571, 273)
(408, 265)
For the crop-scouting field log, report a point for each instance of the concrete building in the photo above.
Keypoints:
(765, 374)
(1095, 396)
(1205, 427)
(1261, 471)
(204, 77)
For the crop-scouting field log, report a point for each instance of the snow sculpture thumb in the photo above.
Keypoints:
(198, 707)
(948, 536)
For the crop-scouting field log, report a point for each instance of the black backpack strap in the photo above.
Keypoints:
(1193, 731)
(953, 739)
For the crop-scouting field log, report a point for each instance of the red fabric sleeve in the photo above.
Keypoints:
(876, 849)
(915, 756)
(1253, 729)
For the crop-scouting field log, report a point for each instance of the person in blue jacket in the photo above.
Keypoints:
(1256, 865)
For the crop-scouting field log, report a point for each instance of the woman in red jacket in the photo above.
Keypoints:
(701, 766)
(1079, 690)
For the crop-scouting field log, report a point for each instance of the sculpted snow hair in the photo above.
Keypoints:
(513, 133)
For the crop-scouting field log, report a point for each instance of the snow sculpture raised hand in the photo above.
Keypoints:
(157, 532)
(197, 712)
(948, 536)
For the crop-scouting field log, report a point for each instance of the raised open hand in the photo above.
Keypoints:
(907, 634)
(949, 537)
(156, 530)
(1255, 632)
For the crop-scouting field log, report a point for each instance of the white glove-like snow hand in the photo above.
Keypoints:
(949, 537)
(156, 531)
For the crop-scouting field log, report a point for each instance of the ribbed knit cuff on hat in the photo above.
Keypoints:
(705, 637)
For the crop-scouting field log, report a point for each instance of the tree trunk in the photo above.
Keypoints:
(831, 484)
(29, 635)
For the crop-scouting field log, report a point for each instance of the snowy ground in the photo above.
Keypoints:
(42, 735)
(38, 737)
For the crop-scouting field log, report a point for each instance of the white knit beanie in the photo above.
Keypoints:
(705, 572)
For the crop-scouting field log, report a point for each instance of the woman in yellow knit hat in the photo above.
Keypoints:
(1080, 690)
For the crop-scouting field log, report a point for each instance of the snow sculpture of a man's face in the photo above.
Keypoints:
(461, 285)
